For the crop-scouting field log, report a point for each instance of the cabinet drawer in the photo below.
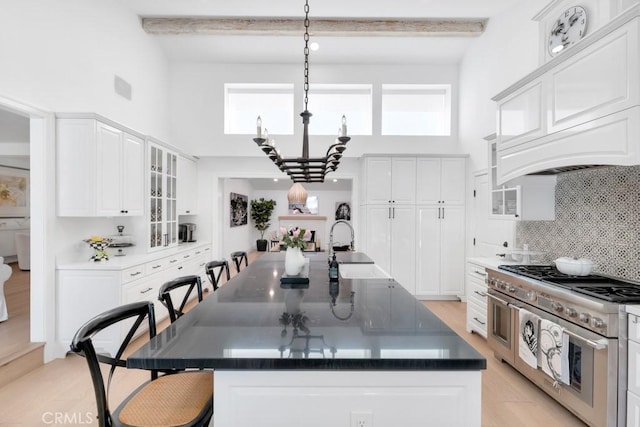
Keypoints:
(477, 320)
(157, 265)
(133, 273)
(144, 291)
(477, 293)
(477, 271)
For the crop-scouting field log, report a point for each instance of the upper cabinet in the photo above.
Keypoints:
(581, 108)
(389, 180)
(527, 198)
(100, 168)
(187, 186)
(163, 189)
(441, 181)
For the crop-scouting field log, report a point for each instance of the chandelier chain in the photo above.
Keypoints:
(306, 54)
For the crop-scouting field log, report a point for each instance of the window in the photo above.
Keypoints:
(416, 110)
(245, 102)
(328, 102)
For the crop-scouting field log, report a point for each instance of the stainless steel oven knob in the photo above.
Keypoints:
(570, 312)
(584, 318)
(531, 295)
(511, 288)
(556, 306)
(597, 322)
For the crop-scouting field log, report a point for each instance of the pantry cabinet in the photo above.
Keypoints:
(441, 181)
(100, 168)
(162, 196)
(390, 236)
(389, 180)
(439, 251)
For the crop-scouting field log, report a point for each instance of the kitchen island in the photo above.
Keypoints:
(320, 354)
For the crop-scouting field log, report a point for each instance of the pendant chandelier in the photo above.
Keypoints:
(305, 168)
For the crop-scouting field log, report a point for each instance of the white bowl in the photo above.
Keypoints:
(574, 267)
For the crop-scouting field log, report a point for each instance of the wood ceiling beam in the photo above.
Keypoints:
(359, 27)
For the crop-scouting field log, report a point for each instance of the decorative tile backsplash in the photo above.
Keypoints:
(597, 217)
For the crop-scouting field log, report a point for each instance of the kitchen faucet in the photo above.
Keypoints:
(353, 243)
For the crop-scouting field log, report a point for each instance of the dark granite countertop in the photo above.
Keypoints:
(349, 257)
(253, 322)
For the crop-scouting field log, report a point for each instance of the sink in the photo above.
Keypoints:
(362, 271)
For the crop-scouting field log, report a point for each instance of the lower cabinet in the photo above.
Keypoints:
(476, 299)
(83, 293)
(390, 239)
(633, 379)
(439, 251)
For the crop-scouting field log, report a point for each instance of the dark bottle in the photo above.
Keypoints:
(333, 269)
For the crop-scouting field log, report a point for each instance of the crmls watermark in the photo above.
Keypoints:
(68, 418)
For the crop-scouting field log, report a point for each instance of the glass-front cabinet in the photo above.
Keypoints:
(163, 216)
(503, 199)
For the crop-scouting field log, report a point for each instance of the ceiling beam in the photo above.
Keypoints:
(360, 27)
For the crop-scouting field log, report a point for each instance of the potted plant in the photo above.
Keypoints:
(261, 211)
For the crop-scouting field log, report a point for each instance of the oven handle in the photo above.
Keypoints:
(597, 345)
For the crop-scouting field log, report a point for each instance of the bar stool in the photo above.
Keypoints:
(214, 277)
(237, 259)
(164, 294)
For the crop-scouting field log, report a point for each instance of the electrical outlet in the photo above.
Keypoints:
(361, 419)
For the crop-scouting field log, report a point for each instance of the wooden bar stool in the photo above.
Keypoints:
(237, 259)
(214, 277)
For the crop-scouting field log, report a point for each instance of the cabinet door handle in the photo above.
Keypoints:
(186, 256)
(181, 267)
(146, 290)
(173, 261)
(438, 213)
(442, 213)
(156, 266)
(389, 213)
(479, 321)
(393, 212)
(482, 294)
(482, 273)
(198, 252)
(135, 274)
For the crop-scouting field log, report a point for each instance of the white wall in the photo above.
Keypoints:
(506, 52)
(61, 56)
(197, 107)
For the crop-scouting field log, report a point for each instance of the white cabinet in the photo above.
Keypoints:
(187, 186)
(390, 180)
(100, 169)
(633, 378)
(527, 198)
(163, 211)
(440, 251)
(390, 239)
(84, 291)
(441, 181)
(476, 299)
(582, 108)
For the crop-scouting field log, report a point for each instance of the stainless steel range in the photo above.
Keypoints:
(591, 309)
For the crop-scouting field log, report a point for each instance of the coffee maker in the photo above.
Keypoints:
(186, 232)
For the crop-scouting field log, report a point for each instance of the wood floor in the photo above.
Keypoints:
(62, 388)
(14, 332)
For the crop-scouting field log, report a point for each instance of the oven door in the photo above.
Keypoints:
(590, 392)
(500, 326)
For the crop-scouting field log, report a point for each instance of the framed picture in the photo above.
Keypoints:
(343, 211)
(14, 192)
(238, 209)
(310, 208)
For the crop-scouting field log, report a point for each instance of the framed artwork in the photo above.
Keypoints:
(310, 208)
(343, 211)
(14, 192)
(239, 204)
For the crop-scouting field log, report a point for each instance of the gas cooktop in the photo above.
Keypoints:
(601, 287)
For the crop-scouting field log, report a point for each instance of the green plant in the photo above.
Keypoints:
(261, 211)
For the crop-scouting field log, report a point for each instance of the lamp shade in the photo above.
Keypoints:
(297, 195)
